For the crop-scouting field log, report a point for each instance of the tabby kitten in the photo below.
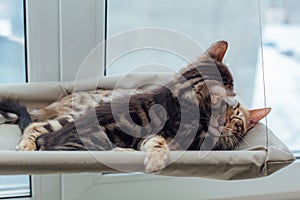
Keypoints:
(190, 112)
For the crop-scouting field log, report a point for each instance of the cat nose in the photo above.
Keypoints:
(237, 125)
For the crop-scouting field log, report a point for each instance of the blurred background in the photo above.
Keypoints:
(12, 49)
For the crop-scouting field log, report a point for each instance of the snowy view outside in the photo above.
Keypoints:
(282, 71)
(207, 21)
(281, 56)
(12, 48)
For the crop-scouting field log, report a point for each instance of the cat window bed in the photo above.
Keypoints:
(262, 154)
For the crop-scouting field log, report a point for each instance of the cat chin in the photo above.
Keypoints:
(227, 143)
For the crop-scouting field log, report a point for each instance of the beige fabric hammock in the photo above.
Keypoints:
(262, 154)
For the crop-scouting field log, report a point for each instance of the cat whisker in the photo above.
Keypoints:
(243, 139)
(236, 142)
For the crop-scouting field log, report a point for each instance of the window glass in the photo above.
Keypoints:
(205, 22)
(281, 57)
(13, 70)
(12, 43)
(262, 35)
(15, 186)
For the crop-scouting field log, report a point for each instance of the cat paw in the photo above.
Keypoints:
(26, 145)
(156, 160)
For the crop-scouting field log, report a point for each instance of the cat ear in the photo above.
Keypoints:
(217, 50)
(256, 115)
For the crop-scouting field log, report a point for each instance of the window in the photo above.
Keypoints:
(13, 70)
(14, 186)
(12, 48)
(281, 53)
(204, 24)
(207, 21)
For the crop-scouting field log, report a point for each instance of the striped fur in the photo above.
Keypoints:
(193, 114)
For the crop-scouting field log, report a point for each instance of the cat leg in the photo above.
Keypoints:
(157, 153)
(30, 134)
(34, 130)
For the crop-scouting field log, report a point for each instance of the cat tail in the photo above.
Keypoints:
(9, 107)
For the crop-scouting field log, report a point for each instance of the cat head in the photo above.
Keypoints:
(238, 121)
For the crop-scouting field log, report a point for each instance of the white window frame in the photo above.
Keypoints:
(51, 57)
(58, 41)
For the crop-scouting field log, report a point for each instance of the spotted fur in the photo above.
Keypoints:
(193, 114)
